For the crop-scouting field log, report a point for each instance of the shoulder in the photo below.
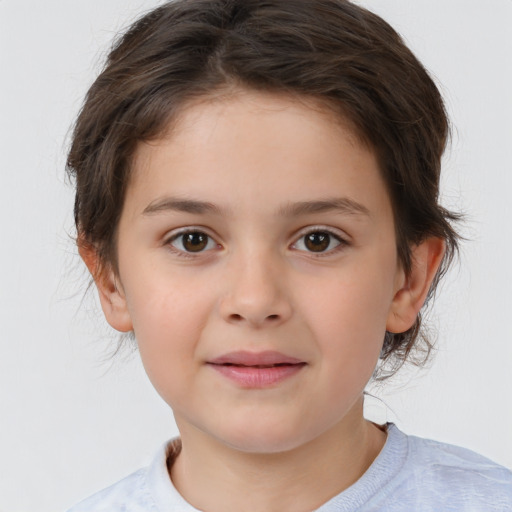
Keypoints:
(436, 456)
(147, 490)
(461, 478)
(127, 495)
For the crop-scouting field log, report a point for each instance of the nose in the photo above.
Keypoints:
(256, 293)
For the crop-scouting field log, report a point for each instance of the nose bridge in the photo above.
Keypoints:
(256, 290)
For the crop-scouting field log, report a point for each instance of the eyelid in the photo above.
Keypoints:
(340, 236)
(174, 234)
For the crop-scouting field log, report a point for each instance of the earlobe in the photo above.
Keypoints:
(111, 294)
(409, 298)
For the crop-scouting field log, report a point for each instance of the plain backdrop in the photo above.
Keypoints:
(72, 421)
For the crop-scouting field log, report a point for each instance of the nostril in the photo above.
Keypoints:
(235, 317)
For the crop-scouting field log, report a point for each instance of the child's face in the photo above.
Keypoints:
(290, 259)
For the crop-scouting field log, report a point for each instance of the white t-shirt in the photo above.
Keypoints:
(409, 475)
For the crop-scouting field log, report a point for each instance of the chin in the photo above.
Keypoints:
(263, 445)
(265, 439)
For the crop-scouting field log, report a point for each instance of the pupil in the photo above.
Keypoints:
(195, 242)
(317, 242)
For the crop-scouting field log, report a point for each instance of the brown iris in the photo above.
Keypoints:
(194, 241)
(318, 241)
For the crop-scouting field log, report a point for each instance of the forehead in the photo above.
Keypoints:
(255, 144)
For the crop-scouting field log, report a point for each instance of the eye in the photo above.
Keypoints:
(318, 241)
(192, 242)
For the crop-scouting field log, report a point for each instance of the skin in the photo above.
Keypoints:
(258, 286)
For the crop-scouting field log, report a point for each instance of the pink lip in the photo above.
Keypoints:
(256, 370)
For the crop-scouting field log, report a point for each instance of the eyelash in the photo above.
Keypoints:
(341, 242)
(180, 234)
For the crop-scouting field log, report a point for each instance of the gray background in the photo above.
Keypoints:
(72, 423)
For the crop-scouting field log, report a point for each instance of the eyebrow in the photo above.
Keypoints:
(180, 205)
(342, 205)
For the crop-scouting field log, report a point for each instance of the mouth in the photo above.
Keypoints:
(251, 370)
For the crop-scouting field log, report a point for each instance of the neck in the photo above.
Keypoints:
(215, 477)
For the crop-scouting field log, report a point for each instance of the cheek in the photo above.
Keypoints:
(348, 316)
(168, 317)
(162, 304)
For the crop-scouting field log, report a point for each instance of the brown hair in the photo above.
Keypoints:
(331, 50)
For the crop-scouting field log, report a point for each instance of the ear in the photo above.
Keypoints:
(111, 294)
(410, 297)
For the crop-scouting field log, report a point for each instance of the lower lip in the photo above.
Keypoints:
(252, 377)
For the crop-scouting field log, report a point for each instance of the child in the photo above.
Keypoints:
(257, 202)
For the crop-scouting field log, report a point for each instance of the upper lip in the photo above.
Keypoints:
(244, 358)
